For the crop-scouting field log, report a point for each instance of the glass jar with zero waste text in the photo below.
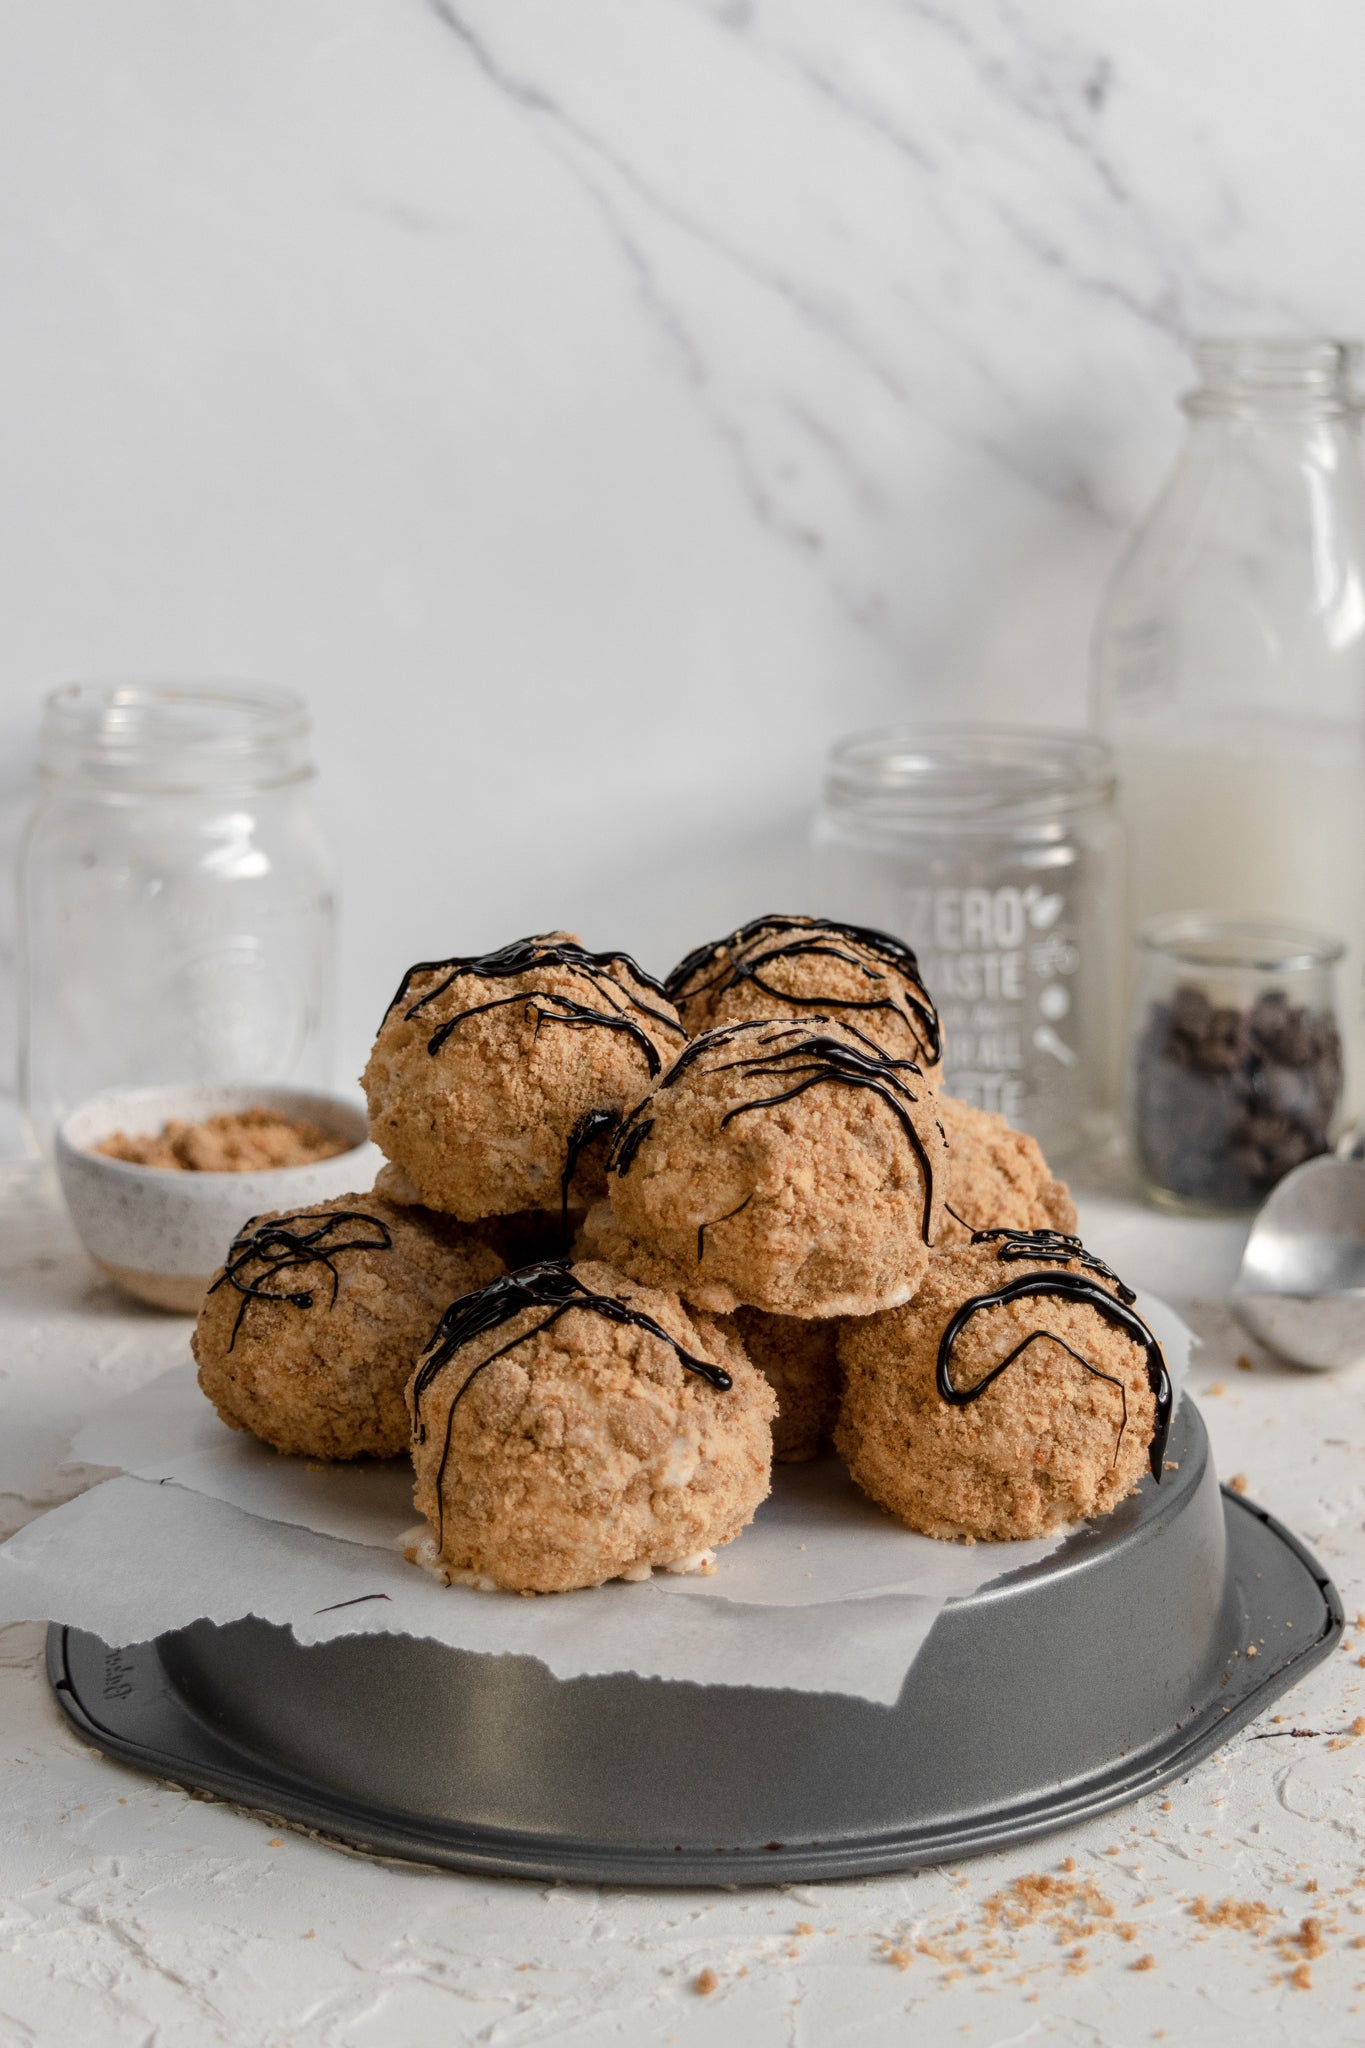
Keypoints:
(996, 854)
(176, 898)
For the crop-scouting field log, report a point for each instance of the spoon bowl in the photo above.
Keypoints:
(1301, 1285)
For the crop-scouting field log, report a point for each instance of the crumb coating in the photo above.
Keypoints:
(791, 1167)
(788, 966)
(799, 1359)
(484, 1069)
(1043, 1446)
(519, 1239)
(325, 1377)
(997, 1177)
(587, 1448)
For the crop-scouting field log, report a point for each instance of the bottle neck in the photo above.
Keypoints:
(1238, 613)
(1275, 383)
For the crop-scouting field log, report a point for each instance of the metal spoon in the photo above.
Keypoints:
(1301, 1285)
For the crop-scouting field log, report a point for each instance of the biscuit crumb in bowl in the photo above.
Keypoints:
(239, 1141)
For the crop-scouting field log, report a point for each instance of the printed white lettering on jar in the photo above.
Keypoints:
(1009, 922)
(948, 919)
(977, 919)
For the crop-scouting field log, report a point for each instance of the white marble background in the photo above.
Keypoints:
(598, 405)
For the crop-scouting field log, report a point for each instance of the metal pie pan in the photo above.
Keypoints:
(1052, 1695)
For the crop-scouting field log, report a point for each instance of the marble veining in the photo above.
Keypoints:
(712, 375)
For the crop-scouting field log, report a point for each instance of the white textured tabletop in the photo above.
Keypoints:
(1230, 1908)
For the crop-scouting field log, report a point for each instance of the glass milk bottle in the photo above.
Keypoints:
(1229, 659)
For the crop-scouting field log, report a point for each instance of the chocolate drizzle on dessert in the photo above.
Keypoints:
(593, 1124)
(549, 1285)
(702, 1228)
(627, 1142)
(1019, 1246)
(1014, 1246)
(765, 939)
(789, 1052)
(260, 1257)
(529, 956)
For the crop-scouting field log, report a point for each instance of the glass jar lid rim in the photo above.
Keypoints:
(961, 768)
(1205, 940)
(169, 733)
(113, 713)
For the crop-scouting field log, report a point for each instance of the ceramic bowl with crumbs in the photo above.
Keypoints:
(159, 1180)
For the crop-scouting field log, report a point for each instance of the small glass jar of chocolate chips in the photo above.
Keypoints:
(1236, 1060)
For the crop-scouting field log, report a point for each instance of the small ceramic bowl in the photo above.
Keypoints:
(160, 1233)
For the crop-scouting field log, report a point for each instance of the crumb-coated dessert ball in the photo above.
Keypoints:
(531, 1235)
(310, 1331)
(521, 1239)
(799, 1360)
(780, 966)
(570, 1426)
(1017, 1392)
(997, 1177)
(494, 1082)
(788, 1166)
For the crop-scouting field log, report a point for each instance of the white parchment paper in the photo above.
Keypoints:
(132, 1559)
(824, 1593)
(814, 1540)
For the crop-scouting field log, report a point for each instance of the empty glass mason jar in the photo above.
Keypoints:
(995, 853)
(1236, 1059)
(176, 898)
